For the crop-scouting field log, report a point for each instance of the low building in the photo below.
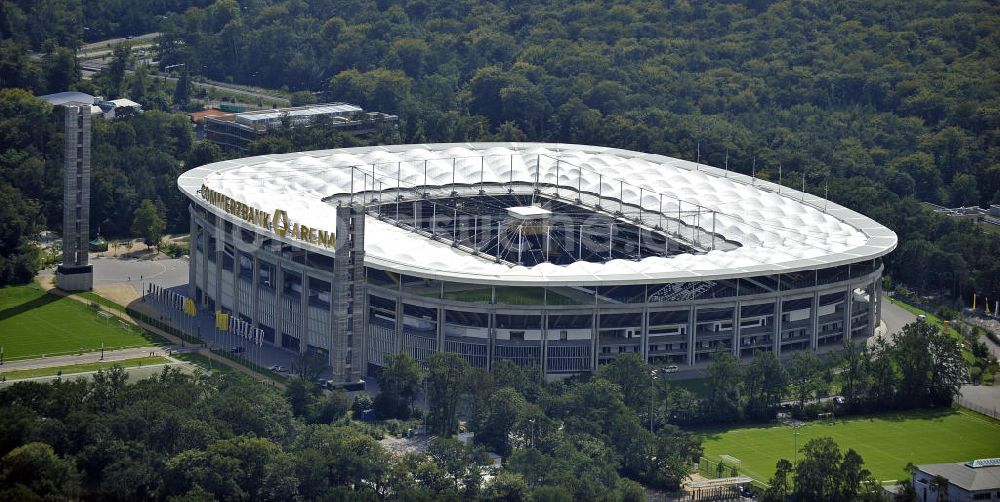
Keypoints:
(975, 480)
(75, 97)
(119, 108)
(99, 107)
(234, 132)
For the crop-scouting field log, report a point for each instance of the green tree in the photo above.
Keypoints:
(147, 222)
(805, 373)
(930, 363)
(855, 375)
(764, 381)
(817, 476)
(20, 220)
(506, 487)
(115, 77)
(778, 489)
(724, 375)
(445, 378)
(505, 410)
(634, 376)
(34, 470)
(182, 91)
(399, 385)
(674, 451)
(202, 152)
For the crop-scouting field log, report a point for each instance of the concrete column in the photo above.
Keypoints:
(440, 329)
(545, 343)
(236, 277)
(814, 322)
(777, 325)
(220, 245)
(645, 333)
(872, 302)
(192, 257)
(692, 333)
(492, 341)
(848, 305)
(279, 300)
(737, 315)
(878, 300)
(596, 341)
(304, 336)
(255, 288)
(398, 341)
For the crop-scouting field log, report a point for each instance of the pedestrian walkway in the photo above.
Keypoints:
(85, 357)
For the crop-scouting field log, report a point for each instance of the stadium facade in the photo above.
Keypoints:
(548, 255)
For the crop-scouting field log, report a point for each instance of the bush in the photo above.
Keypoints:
(175, 250)
(362, 402)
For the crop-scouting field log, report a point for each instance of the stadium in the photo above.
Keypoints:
(554, 256)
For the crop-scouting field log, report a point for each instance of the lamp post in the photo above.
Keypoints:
(652, 394)
(795, 452)
(532, 421)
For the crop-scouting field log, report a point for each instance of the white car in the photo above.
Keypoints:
(277, 368)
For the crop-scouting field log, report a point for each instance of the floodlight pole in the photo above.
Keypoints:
(557, 178)
(795, 453)
(610, 239)
(713, 230)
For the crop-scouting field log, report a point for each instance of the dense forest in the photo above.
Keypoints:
(198, 437)
(884, 104)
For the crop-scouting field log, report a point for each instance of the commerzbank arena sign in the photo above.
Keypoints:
(276, 222)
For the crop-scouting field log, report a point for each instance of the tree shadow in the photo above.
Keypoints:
(41, 301)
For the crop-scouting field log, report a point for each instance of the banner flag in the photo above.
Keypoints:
(221, 320)
(189, 307)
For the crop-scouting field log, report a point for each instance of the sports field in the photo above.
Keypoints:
(886, 442)
(33, 323)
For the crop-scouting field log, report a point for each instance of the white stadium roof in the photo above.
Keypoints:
(777, 233)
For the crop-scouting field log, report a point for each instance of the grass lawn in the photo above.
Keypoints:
(886, 442)
(84, 367)
(33, 323)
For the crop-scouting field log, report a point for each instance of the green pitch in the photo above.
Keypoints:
(886, 442)
(33, 323)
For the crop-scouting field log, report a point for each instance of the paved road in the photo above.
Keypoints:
(86, 357)
(145, 38)
(224, 88)
(895, 317)
(135, 373)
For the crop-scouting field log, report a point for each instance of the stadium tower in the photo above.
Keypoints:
(76, 273)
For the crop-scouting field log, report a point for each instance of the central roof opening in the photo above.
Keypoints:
(530, 229)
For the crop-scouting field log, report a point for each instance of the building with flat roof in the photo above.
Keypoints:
(234, 132)
(551, 256)
(963, 481)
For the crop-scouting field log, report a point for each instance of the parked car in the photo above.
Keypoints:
(277, 368)
(237, 349)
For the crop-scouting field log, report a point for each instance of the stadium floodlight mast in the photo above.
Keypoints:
(795, 445)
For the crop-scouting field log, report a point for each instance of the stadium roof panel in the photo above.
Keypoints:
(778, 232)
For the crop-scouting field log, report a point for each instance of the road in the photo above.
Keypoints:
(86, 357)
(145, 38)
(895, 317)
